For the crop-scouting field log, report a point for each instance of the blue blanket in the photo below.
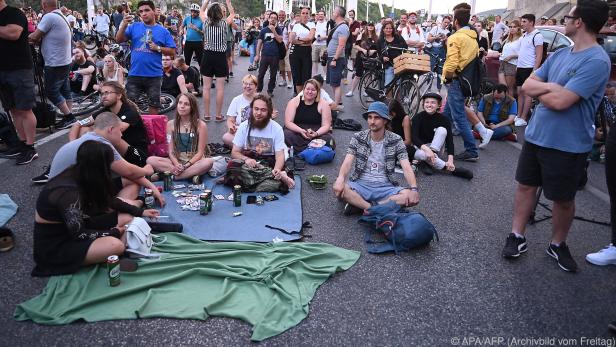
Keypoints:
(220, 224)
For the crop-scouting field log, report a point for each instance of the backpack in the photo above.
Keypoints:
(347, 124)
(156, 130)
(45, 115)
(320, 155)
(545, 48)
(399, 230)
(471, 77)
(7, 131)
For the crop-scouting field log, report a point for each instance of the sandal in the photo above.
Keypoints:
(220, 118)
(7, 241)
(207, 118)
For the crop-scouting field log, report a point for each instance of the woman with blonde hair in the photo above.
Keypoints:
(239, 108)
(187, 136)
(509, 56)
(112, 71)
(307, 117)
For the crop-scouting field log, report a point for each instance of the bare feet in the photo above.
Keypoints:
(287, 180)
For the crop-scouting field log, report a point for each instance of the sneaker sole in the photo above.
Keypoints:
(523, 249)
(41, 181)
(553, 255)
(600, 263)
(29, 161)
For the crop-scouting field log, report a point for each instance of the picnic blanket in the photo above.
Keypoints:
(220, 224)
(269, 286)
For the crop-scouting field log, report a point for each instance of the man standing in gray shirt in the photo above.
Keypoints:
(54, 35)
(499, 30)
(336, 60)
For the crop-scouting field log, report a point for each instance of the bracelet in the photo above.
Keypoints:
(414, 189)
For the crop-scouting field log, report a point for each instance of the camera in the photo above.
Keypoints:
(324, 59)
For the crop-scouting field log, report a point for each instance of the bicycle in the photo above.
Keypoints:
(426, 80)
(97, 40)
(167, 103)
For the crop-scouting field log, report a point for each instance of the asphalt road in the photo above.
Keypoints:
(456, 288)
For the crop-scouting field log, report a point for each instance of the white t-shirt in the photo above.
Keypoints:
(71, 19)
(498, 31)
(437, 30)
(322, 31)
(415, 34)
(526, 54)
(511, 48)
(266, 141)
(300, 31)
(378, 28)
(239, 108)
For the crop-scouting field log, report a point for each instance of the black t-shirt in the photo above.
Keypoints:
(192, 75)
(170, 83)
(76, 84)
(422, 130)
(15, 55)
(398, 42)
(135, 135)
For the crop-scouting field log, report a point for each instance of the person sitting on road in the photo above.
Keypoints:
(112, 71)
(107, 129)
(373, 154)
(333, 106)
(401, 126)
(430, 131)
(308, 117)
(173, 80)
(239, 109)
(495, 116)
(188, 141)
(82, 73)
(134, 143)
(192, 77)
(260, 140)
(78, 220)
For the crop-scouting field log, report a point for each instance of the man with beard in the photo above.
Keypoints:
(373, 153)
(260, 140)
(82, 73)
(413, 33)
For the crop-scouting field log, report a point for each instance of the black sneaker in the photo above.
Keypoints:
(466, 156)
(66, 122)
(514, 246)
(350, 210)
(231, 74)
(12, 152)
(563, 257)
(27, 156)
(463, 173)
(42, 178)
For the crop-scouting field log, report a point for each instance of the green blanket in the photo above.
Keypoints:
(269, 286)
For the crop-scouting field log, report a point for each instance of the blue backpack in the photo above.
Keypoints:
(314, 156)
(401, 230)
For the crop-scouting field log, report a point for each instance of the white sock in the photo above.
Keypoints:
(480, 129)
(518, 235)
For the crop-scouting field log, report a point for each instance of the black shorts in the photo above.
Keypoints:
(522, 74)
(214, 64)
(558, 172)
(229, 48)
(136, 156)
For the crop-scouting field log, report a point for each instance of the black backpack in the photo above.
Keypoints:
(7, 131)
(471, 77)
(544, 56)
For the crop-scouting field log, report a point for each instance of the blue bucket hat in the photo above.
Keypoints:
(379, 108)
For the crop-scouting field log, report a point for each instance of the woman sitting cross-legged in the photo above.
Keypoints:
(187, 137)
(78, 221)
(431, 131)
(307, 117)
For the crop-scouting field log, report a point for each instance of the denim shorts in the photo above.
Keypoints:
(17, 87)
(334, 74)
(57, 84)
(137, 85)
(373, 191)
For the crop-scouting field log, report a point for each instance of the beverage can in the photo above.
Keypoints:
(113, 270)
(237, 196)
(167, 181)
(148, 35)
(149, 198)
(208, 199)
(203, 210)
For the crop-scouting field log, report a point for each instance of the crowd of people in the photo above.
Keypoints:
(82, 210)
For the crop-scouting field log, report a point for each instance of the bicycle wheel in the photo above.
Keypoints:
(90, 41)
(167, 102)
(408, 95)
(86, 104)
(424, 82)
(369, 80)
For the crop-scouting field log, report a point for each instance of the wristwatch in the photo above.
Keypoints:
(414, 189)
(159, 49)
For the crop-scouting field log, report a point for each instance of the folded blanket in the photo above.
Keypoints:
(269, 286)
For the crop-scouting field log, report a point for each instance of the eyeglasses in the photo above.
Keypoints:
(571, 17)
(107, 93)
(513, 26)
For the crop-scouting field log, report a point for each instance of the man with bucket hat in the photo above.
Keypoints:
(373, 154)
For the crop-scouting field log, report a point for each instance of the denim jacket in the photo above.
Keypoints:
(395, 150)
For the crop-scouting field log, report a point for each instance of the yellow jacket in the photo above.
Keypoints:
(462, 48)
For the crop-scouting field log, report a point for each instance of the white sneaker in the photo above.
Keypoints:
(282, 83)
(349, 94)
(485, 138)
(604, 257)
(289, 86)
(519, 122)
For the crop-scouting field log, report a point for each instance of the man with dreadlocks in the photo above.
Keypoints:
(259, 142)
(133, 145)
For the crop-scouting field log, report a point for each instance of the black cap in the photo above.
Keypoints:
(433, 95)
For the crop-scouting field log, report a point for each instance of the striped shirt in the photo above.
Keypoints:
(215, 36)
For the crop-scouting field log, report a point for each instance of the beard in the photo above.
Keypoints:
(259, 124)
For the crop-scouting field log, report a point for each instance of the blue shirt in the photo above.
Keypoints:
(494, 116)
(145, 62)
(192, 34)
(586, 74)
(270, 45)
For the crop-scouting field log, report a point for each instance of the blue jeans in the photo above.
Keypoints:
(501, 132)
(253, 50)
(439, 52)
(389, 75)
(57, 84)
(454, 109)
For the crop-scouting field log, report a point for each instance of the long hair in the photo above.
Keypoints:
(370, 34)
(214, 14)
(394, 32)
(514, 37)
(396, 111)
(194, 124)
(115, 64)
(92, 172)
(118, 88)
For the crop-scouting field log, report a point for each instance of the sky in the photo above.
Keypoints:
(445, 6)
